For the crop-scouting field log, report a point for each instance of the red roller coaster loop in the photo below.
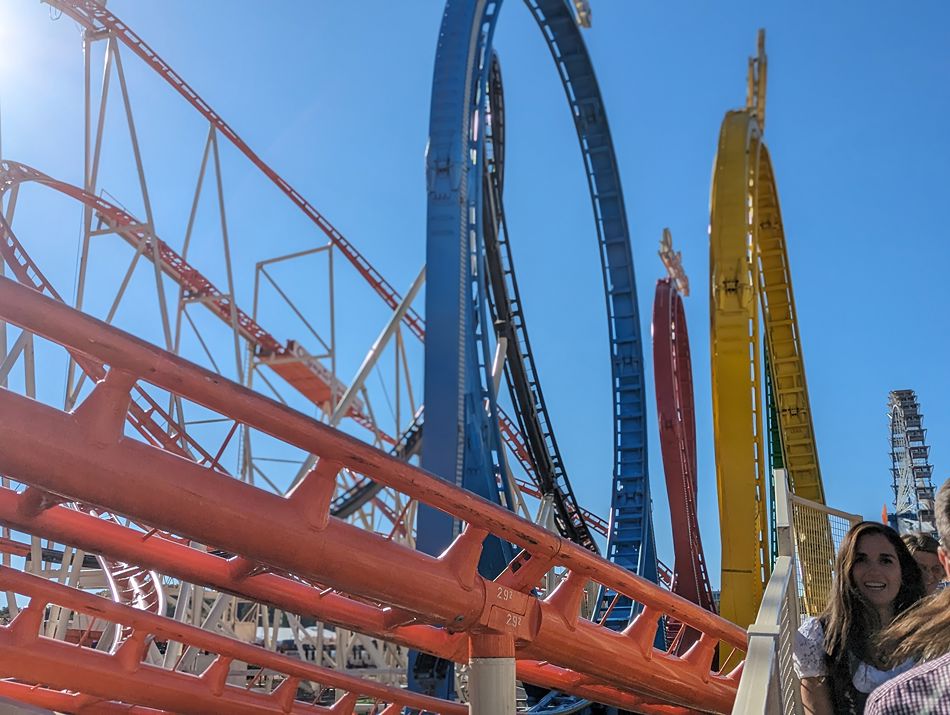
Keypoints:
(84, 456)
(677, 422)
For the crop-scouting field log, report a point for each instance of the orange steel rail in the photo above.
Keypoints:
(62, 701)
(97, 19)
(84, 456)
(143, 410)
(175, 558)
(25, 655)
(308, 377)
(17, 548)
(145, 414)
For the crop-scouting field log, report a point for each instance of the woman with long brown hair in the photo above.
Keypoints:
(876, 579)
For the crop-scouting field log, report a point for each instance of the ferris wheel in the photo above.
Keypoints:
(911, 470)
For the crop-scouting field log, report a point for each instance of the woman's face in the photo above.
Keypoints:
(931, 568)
(876, 572)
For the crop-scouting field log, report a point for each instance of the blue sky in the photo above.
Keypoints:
(335, 96)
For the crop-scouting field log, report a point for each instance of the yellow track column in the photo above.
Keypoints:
(736, 371)
(749, 269)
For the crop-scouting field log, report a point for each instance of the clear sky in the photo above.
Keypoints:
(335, 96)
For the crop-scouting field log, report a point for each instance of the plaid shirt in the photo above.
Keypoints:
(924, 690)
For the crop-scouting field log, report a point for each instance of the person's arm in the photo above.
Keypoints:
(816, 696)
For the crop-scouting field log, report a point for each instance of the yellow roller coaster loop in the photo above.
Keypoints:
(749, 272)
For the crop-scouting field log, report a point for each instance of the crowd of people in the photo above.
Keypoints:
(882, 644)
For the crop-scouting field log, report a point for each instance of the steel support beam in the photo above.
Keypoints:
(177, 559)
(124, 676)
(84, 456)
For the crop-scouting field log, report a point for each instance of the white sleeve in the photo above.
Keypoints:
(809, 654)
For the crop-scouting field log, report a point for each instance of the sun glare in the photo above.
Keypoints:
(18, 46)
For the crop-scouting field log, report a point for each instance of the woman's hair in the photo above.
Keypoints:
(920, 634)
(918, 541)
(849, 620)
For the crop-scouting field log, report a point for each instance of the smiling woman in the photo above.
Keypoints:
(876, 579)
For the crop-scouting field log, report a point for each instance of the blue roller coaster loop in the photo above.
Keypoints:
(462, 443)
(630, 543)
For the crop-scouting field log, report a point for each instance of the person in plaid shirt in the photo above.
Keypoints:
(923, 633)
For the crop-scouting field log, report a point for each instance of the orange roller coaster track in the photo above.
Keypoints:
(307, 376)
(84, 456)
(26, 656)
(175, 558)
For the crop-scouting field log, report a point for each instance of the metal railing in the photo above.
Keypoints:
(769, 684)
(811, 524)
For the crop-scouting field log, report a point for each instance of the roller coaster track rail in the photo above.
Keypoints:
(84, 456)
(97, 675)
(749, 270)
(630, 543)
(97, 20)
(521, 373)
(289, 360)
(177, 558)
(676, 418)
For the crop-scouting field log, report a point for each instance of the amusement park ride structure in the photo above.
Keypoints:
(911, 470)
(197, 560)
(749, 273)
(676, 418)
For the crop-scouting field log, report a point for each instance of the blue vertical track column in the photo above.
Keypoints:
(630, 543)
(461, 442)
